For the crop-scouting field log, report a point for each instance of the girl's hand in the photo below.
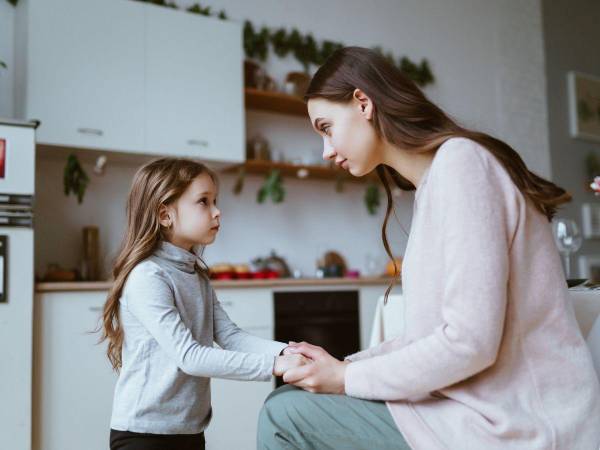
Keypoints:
(286, 362)
(325, 374)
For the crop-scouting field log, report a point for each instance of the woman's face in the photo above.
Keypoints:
(349, 137)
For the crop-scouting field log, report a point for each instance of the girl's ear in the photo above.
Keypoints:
(163, 216)
(363, 103)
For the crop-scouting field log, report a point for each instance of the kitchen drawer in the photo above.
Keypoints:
(248, 308)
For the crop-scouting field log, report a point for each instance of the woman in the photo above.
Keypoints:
(492, 356)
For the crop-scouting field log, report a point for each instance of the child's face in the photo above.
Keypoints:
(195, 216)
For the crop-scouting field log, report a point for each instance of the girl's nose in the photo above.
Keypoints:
(328, 150)
(217, 212)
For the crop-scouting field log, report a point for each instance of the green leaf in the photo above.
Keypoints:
(372, 198)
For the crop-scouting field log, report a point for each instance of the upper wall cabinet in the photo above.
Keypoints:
(131, 77)
(83, 72)
(194, 85)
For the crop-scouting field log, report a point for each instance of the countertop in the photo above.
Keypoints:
(281, 282)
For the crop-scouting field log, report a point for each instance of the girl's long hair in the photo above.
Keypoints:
(403, 116)
(159, 182)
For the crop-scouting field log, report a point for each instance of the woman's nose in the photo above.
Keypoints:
(328, 150)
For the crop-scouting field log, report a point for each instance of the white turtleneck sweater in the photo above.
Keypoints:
(170, 317)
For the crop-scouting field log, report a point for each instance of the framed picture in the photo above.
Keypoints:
(590, 220)
(584, 105)
(589, 267)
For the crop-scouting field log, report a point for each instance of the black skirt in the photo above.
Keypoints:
(127, 440)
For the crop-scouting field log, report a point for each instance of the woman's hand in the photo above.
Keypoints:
(288, 361)
(324, 374)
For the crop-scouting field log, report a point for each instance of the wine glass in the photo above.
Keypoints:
(568, 240)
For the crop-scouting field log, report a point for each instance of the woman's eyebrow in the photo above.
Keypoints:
(316, 124)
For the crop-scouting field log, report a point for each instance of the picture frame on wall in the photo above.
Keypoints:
(584, 105)
(589, 267)
(590, 220)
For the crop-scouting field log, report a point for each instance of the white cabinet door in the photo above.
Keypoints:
(236, 405)
(73, 380)
(85, 72)
(194, 86)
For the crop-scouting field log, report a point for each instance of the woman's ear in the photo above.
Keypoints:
(163, 217)
(363, 103)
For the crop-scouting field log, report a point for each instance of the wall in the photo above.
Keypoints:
(571, 35)
(489, 63)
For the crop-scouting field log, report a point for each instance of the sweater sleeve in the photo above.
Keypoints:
(150, 299)
(477, 206)
(229, 336)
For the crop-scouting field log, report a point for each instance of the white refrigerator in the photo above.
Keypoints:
(17, 174)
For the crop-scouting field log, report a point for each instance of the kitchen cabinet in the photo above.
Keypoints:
(127, 76)
(82, 72)
(194, 79)
(73, 380)
(74, 383)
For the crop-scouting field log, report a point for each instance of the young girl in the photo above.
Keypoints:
(491, 356)
(162, 316)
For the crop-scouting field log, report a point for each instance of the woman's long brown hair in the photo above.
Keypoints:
(159, 182)
(404, 117)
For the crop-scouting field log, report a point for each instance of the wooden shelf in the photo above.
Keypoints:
(259, 167)
(276, 102)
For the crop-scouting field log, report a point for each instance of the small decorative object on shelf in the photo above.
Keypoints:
(75, 179)
(296, 83)
(258, 149)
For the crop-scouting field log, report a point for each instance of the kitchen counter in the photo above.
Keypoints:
(280, 282)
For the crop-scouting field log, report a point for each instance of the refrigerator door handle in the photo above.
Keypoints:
(3, 268)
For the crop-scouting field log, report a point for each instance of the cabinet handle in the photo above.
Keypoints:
(96, 308)
(197, 142)
(94, 131)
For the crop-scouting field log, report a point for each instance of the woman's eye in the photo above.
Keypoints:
(325, 129)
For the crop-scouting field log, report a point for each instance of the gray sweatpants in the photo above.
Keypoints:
(292, 418)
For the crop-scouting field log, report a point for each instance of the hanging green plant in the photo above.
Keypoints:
(239, 182)
(372, 198)
(75, 179)
(2, 64)
(272, 187)
(308, 51)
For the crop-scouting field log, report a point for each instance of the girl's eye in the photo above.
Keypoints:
(202, 201)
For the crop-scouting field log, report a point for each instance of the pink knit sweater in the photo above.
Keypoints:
(492, 357)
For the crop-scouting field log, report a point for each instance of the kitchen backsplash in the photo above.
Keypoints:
(312, 219)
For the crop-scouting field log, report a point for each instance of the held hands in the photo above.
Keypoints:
(324, 374)
(288, 361)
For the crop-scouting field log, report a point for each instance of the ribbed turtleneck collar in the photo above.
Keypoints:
(178, 257)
